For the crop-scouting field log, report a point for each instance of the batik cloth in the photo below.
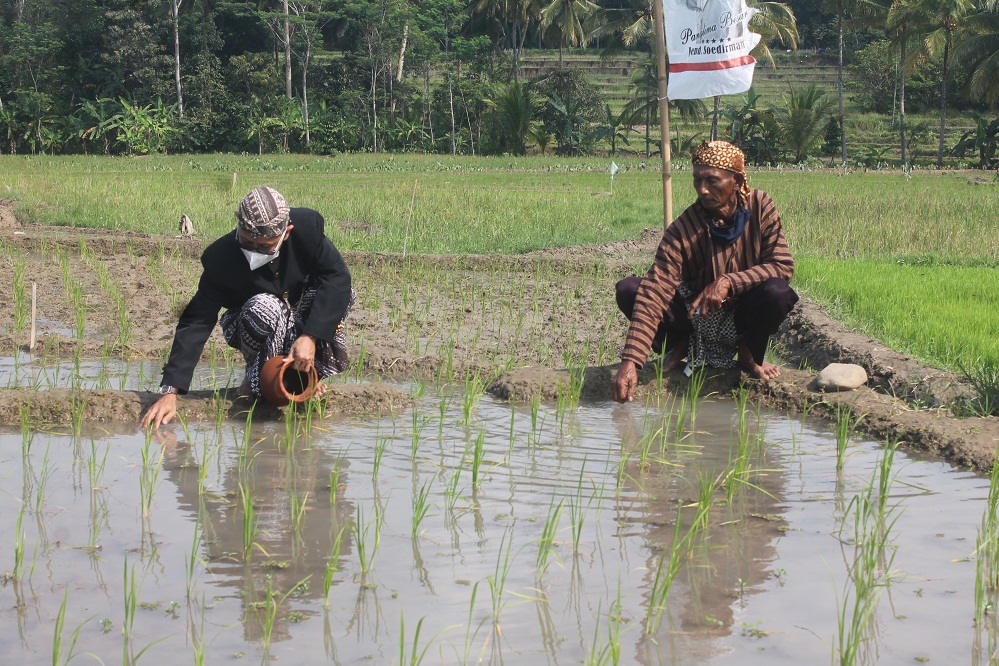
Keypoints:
(714, 341)
(267, 326)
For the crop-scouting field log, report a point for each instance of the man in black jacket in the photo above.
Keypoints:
(285, 288)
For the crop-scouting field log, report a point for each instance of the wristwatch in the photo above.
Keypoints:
(169, 390)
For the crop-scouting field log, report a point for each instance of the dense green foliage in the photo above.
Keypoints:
(326, 76)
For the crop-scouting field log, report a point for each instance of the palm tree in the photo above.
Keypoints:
(568, 16)
(773, 22)
(802, 122)
(979, 51)
(898, 22)
(625, 26)
(519, 14)
(513, 110)
(643, 108)
(937, 21)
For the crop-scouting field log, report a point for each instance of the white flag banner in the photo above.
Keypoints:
(708, 42)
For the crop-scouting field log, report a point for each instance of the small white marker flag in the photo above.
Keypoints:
(708, 42)
(613, 169)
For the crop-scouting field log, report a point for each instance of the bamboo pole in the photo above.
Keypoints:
(31, 342)
(663, 114)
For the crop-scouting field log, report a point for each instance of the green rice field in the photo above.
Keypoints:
(908, 258)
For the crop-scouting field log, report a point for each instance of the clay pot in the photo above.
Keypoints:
(280, 383)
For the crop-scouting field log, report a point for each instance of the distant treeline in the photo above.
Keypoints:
(325, 76)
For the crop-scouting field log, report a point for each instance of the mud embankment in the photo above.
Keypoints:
(516, 323)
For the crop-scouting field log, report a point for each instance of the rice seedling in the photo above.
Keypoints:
(478, 454)
(193, 558)
(987, 550)
(335, 475)
(77, 411)
(607, 652)
(577, 512)
(297, 509)
(547, 539)
(381, 443)
(474, 388)
(42, 480)
(419, 421)
(271, 607)
(250, 519)
(537, 421)
(18, 570)
(469, 632)
(871, 569)
(420, 508)
(568, 396)
(696, 386)
(497, 580)
(846, 424)
(365, 542)
(63, 654)
(681, 549)
(130, 591)
(451, 490)
(149, 474)
(414, 657)
(27, 430)
(332, 565)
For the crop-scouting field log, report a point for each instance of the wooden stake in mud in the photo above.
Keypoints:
(663, 114)
(31, 341)
(412, 202)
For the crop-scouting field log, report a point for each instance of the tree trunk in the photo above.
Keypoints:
(175, 7)
(648, 132)
(374, 108)
(450, 97)
(402, 53)
(714, 119)
(943, 101)
(901, 100)
(287, 51)
(839, 83)
(305, 91)
(430, 107)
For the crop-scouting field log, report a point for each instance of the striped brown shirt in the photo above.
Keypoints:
(688, 254)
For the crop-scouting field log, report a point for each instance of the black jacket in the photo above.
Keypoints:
(307, 255)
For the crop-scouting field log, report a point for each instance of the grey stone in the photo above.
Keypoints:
(841, 377)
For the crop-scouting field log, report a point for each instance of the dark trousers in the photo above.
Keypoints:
(758, 315)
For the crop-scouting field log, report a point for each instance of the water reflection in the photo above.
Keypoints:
(269, 522)
(540, 539)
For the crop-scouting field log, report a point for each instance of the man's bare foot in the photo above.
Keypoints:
(760, 370)
(753, 369)
(674, 357)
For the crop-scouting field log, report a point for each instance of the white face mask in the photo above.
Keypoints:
(258, 259)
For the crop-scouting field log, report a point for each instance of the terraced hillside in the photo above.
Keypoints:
(871, 138)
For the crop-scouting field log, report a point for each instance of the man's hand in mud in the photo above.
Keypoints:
(161, 411)
(625, 382)
(711, 299)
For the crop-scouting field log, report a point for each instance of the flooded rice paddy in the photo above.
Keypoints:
(468, 530)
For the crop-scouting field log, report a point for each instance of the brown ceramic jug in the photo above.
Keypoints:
(280, 383)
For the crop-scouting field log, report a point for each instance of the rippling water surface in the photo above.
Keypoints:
(540, 541)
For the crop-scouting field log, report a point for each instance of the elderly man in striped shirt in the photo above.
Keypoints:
(718, 288)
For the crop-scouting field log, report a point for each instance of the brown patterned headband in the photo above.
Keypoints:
(722, 155)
